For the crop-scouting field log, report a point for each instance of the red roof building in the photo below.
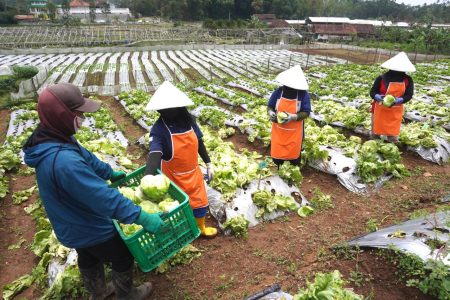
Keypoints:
(78, 3)
(272, 21)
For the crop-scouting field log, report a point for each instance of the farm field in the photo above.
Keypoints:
(354, 185)
(112, 73)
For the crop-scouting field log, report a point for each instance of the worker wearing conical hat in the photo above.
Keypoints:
(288, 106)
(387, 117)
(175, 143)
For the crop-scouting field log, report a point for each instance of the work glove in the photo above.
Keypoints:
(379, 98)
(302, 115)
(209, 172)
(290, 118)
(398, 100)
(272, 116)
(151, 222)
(117, 175)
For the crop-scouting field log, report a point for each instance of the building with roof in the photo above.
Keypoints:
(102, 13)
(297, 24)
(272, 21)
(328, 28)
(25, 19)
(37, 7)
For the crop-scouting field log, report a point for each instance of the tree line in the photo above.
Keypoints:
(195, 10)
(198, 10)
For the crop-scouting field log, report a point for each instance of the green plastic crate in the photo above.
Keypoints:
(150, 250)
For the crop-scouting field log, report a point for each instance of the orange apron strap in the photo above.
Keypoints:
(387, 120)
(286, 143)
(183, 168)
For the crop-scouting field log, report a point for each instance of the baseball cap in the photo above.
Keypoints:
(71, 96)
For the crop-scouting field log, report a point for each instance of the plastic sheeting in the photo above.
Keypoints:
(142, 121)
(272, 292)
(439, 155)
(242, 203)
(345, 169)
(116, 136)
(17, 128)
(411, 237)
(55, 266)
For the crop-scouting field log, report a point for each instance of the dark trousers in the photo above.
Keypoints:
(113, 250)
(279, 162)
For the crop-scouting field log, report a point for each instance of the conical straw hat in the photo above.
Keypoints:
(400, 63)
(168, 96)
(293, 78)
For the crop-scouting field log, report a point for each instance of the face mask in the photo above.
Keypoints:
(77, 123)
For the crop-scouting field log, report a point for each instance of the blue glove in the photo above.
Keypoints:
(151, 222)
(399, 100)
(378, 97)
(117, 175)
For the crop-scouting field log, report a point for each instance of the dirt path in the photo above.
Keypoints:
(4, 121)
(128, 127)
(350, 55)
(16, 225)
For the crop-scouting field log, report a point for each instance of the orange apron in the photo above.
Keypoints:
(387, 120)
(183, 168)
(286, 143)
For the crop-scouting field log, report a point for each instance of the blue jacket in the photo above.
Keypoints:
(78, 201)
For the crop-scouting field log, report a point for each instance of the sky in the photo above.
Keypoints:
(416, 2)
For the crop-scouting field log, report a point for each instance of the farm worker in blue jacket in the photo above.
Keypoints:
(386, 120)
(77, 199)
(293, 100)
(175, 143)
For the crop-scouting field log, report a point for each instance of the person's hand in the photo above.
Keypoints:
(272, 116)
(210, 172)
(398, 101)
(151, 222)
(117, 175)
(290, 118)
(378, 98)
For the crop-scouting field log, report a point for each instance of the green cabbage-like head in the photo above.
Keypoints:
(155, 186)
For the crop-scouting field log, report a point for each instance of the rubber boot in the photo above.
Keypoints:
(123, 284)
(94, 282)
(208, 232)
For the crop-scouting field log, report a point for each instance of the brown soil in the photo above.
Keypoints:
(350, 55)
(15, 225)
(130, 72)
(240, 141)
(4, 121)
(130, 129)
(290, 250)
(93, 78)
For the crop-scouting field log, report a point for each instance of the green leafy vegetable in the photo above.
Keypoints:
(184, 257)
(388, 100)
(268, 202)
(305, 211)
(155, 186)
(21, 196)
(238, 226)
(321, 201)
(290, 173)
(327, 286)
